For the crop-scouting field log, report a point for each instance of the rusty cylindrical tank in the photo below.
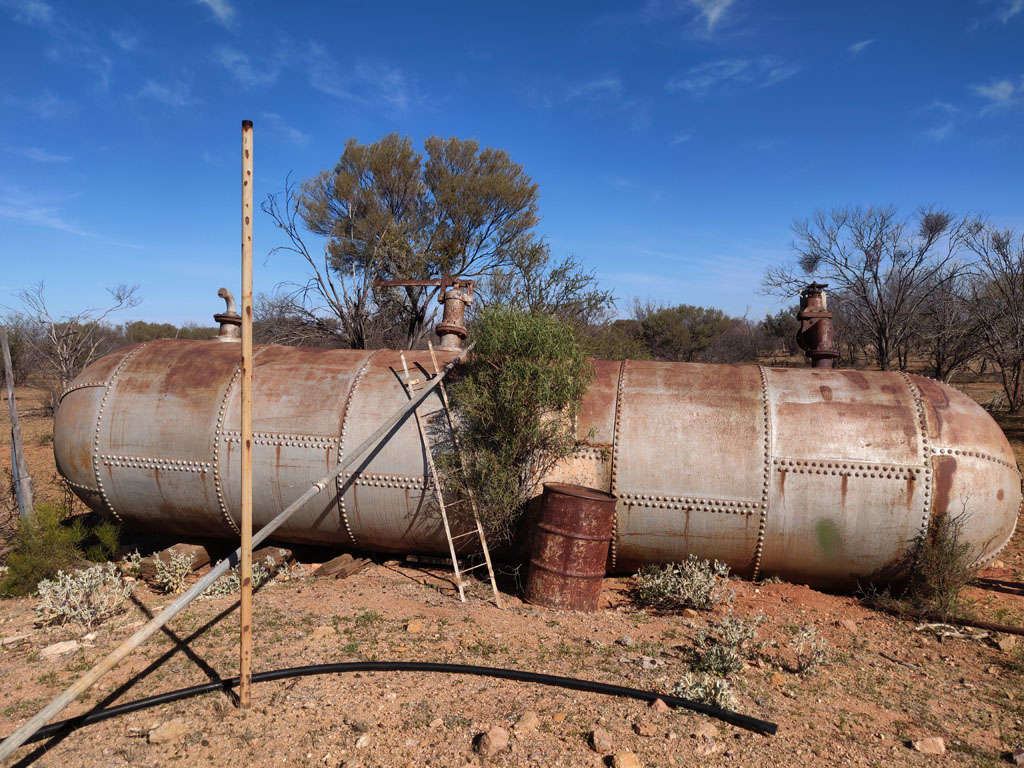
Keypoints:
(571, 547)
(815, 475)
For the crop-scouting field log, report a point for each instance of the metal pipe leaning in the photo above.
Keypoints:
(86, 681)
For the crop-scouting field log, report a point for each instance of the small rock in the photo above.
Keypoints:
(625, 760)
(849, 625)
(600, 740)
(659, 706)
(689, 613)
(705, 731)
(167, 732)
(88, 638)
(363, 741)
(359, 725)
(1006, 643)
(559, 717)
(997, 565)
(1018, 757)
(644, 728)
(627, 641)
(414, 626)
(59, 649)
(13, 639)
(778, 679)
(707, 748)
(933, 745)
(493, 742)
(528, 721)
(437, 722)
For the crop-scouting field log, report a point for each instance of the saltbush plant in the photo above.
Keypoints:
(721, 648)
(515, 405)
(811, 650)
(706, 689)
(172, 576)
(941, 566)
(694, 583)
(85, 597)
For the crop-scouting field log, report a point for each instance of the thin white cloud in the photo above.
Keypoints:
(943, 106)
(702, 79)
(32, 11)
(174, 94)
(46, 105)
(604, 89)
(39, 155)
(222, 10)
(940, 133)
(712, 11)
(365, 83)
(241, 68)
(1000, 95)
(1009, 10)
(277, 125)
(680, 138)
(126, 41)
(860, 46)
(22, 208)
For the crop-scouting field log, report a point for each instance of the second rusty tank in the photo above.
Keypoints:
(815, 475)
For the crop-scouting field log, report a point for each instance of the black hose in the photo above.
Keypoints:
(735, 718)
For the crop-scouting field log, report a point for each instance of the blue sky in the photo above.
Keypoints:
(673, 142)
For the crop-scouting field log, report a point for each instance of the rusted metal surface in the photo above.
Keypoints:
(230, 321)
(817, 475)
(815, 335)
(455, 294)
(571, 547)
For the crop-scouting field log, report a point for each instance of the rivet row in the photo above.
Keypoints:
(221, 416)
(341, 446)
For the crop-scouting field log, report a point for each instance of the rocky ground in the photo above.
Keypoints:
(888, 692)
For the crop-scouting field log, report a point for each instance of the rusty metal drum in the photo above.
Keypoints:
(815, 475)
(571, 547)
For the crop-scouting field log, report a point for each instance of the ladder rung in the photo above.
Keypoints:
(467, 533)
(472, 567)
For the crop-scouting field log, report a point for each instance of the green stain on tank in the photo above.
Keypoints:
(828, 536)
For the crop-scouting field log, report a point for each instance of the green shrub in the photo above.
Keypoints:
(45, 543)
(515, 405)
(941, 565)
(694, 583)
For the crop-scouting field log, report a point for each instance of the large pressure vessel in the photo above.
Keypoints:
(819, 476)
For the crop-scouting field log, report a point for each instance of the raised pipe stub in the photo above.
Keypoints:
(230, 321)
(452, 330)
(815, 335)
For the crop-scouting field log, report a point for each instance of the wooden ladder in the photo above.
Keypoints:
(411, 386)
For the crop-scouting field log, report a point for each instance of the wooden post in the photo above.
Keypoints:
(245, 563)
(22, 481)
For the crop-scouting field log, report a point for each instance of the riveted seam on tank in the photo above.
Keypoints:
(659, 501)
(1000, 548)
(976, 455)
(83, 385)
(614, 548)
(926, 449)
(411, 482)
(283, 438)
(221, 415)
(80, 487)
(96, 437)
(847, 468)
(762, 525)
(360, 374)
(146, 462)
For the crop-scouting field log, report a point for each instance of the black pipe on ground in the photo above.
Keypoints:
(734, 718)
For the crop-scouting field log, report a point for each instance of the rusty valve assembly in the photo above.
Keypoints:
(455, 295)
(815, 335)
